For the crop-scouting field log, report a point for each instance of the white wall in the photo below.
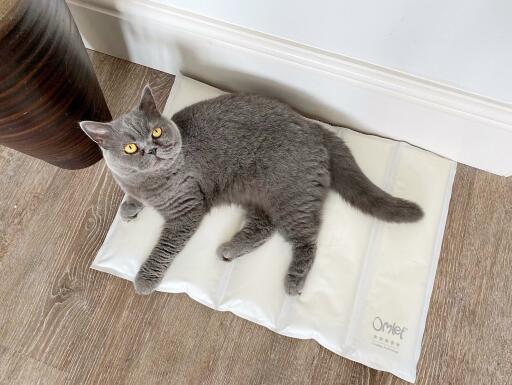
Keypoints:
(462, 126)
(463, 43)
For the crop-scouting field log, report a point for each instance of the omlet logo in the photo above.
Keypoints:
(380, 325)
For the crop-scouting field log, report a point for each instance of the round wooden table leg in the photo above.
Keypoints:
(47, 85)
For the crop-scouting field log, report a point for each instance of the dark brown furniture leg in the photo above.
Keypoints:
(47, 84)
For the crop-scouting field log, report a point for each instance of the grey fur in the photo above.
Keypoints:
(257, 229)
(239, 148)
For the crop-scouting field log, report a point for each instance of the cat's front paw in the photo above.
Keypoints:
(145, 286)
(129, 210)
(294, 284)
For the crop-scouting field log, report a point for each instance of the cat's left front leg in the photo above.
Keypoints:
(130, 208)
(173, 238)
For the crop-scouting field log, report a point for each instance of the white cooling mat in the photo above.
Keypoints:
(367, 295)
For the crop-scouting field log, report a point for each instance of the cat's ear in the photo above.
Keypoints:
(147, 103)
(101, 133)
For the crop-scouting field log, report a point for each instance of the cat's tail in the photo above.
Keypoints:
(355, 187)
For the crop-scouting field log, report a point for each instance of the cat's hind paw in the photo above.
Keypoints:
(294, 284)
(225, 252)
(232, 250)
(145, 286)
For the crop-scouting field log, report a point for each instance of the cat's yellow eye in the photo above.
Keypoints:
(131, 148)
(157, 132)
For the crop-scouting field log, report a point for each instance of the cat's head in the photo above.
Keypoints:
(139, 141)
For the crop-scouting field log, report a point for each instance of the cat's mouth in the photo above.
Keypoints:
(157, 160)
(163, 155)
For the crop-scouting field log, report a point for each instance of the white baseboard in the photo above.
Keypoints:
(461, 126)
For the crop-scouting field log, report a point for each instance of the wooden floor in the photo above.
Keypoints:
(63, 323)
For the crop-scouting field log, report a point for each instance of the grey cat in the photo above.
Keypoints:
(244, 149)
